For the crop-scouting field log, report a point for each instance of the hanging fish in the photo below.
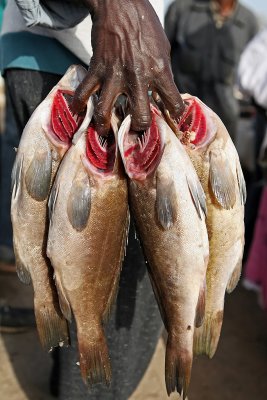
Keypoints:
(45, 139)
(86, 241)
(168, 205)
(216, 161)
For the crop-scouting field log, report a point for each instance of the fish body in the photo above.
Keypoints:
(45, 139)
(217, 164)
(86, 242)
(168, 204)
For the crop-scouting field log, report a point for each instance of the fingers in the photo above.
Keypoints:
(140, 108)
(86, 88)
(169, 94)
(103, 107)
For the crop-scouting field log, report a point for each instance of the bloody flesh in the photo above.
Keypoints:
(100, 151)
(193, 120)
(64, 123)
(143, 149)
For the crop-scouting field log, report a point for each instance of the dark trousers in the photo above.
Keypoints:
(24, 92)
(135, 324)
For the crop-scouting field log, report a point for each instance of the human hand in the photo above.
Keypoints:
(131, 55)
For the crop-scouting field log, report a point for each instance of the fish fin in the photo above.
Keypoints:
(234, 279)
(222, 180)
(39, 174)
(16, 175)
(158, 297)
(198, 195)
(116, 280)
(241, 183)
(79, 201)
(206, 337)
(94, 357)
(166, 203)
(53, 199)
(63, 301)
(23, 273)
(52, 326)
(178, 365)
(200, 310)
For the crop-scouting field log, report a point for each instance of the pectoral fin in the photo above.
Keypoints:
(39, 174)
(222, 180)
(79, 201)
(53, 199)
(166, 202)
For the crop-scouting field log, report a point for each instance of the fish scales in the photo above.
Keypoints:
(87, 260)
(177, 255)
(217, 165)
(37, 161)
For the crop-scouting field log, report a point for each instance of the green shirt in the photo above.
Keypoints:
(30, 51)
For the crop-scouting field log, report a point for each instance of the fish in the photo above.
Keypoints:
(216, 162)
(45, 139)
(88, 229)
(168, 206)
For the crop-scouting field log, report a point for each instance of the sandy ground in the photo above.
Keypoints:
(237, 372)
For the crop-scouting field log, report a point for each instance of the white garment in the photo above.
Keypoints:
(252, 70)
(77, 39)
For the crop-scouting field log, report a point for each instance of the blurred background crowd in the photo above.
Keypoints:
(218, 53)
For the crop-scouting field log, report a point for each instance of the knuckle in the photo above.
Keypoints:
(141, 122)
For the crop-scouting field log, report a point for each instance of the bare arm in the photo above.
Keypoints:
(131, 55)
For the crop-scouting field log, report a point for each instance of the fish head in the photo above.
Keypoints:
(58, 121)
(141, 152)
(197, 126)
(102, 159)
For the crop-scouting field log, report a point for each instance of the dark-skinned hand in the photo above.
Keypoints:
(131, 55)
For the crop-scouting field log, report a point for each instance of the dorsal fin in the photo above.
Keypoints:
(16, 175)
(241, 183)
(198, 195)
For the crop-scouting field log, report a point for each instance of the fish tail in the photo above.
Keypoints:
(94, 356)
(178, 364)
(52, 327)
(206, 337)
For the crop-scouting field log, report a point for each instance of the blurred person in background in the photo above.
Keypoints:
(207, 38)
(2, 97)
(34, 57)
(252, 76)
